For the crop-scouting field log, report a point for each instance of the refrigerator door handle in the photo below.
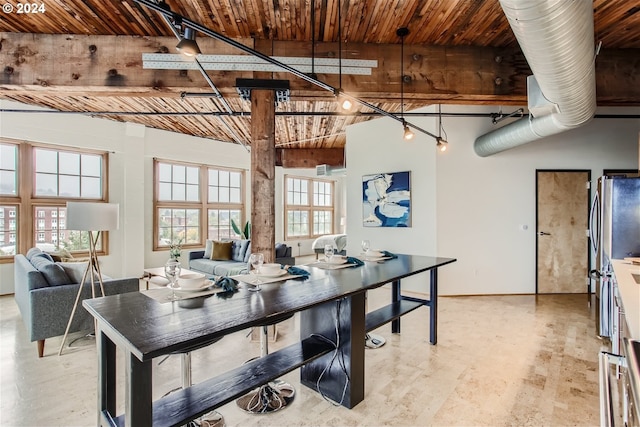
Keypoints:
(594, 226)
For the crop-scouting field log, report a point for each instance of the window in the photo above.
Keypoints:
(196, 202)
(57, 175)
(67, 174)
(309, 207)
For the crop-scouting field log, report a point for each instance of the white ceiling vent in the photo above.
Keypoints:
(326, 170)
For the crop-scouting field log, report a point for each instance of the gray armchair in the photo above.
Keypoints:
(45, 305)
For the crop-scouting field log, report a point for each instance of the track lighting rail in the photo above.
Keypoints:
(165, 11)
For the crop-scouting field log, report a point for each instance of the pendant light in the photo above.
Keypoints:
(408, 133)
(441, 143)
(345, 102)
(188, 46)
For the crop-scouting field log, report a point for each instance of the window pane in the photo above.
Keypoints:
(213, 177)
(234, 195)
(8, 156)
(234, 179)
(179, 174)
(192, 193)
(178, 192)
(224, 178)
(91, 188)
(46, 185)
(224, 195)
(213, 194)
(164, 191)
(178, 225)
(164, 172)
(8, 183)
(91, 165)
(8, 169)
(192, 175)
(8, 230)
(69, 186)
(46, 161)
(69, 163)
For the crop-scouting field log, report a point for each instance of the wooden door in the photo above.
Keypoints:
(562, 249)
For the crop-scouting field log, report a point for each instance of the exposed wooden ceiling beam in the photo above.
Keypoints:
(112, 66)
(309, 157)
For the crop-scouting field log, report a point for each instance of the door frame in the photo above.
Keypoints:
(589, 199)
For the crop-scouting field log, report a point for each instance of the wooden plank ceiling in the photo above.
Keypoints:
(457, 52)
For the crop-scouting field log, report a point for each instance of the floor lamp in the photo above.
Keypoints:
(94, 218)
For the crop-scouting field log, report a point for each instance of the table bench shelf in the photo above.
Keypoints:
(182, 406)
(390, 312)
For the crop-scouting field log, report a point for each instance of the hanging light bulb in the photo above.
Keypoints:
(346, 104)
(408, 133)
(441, 144)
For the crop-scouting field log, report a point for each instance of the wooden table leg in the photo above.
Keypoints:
(433, 307)
(138, 388)
(106, 375)
(321, 320)
(395, 296)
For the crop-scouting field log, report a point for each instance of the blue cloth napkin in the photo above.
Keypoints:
(227, 284)
(354, 260)
(388, 254)
(297, 271)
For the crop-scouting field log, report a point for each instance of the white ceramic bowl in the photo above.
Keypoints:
(270, 269)
(191, 280)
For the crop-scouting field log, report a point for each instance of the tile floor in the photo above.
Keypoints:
(499, 361)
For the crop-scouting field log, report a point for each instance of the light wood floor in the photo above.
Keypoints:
(499, 361)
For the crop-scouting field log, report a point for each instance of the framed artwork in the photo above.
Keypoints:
(386, 200)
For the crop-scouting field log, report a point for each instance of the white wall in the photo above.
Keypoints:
(471, 208)
(377, 146)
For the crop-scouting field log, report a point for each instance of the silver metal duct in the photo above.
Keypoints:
(556, 37)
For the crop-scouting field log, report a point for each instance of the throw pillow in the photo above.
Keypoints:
(75, 271)
(40, 260)
(247, 253)
(221, 251)
(31, 252)
(239, 250)
(208, 249)
(55, 274)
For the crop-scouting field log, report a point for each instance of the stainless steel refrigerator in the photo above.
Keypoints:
(615, 234)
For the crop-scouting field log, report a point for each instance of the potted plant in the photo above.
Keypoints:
(245, 233)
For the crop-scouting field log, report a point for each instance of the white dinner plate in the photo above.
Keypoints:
(204, 286)
(337, 261)
(278, 274)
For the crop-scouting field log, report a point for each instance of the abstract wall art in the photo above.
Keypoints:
(386, 200)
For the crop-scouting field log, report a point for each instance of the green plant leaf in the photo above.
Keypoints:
(247, 230)
(236, 229)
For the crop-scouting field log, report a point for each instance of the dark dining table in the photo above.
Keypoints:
(333, 319)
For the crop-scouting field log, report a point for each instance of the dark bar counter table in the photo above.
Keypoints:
(145, 329)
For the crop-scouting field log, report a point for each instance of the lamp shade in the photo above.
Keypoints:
(91, 216)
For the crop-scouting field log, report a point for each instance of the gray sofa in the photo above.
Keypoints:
(45, 292)
(239, 262)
